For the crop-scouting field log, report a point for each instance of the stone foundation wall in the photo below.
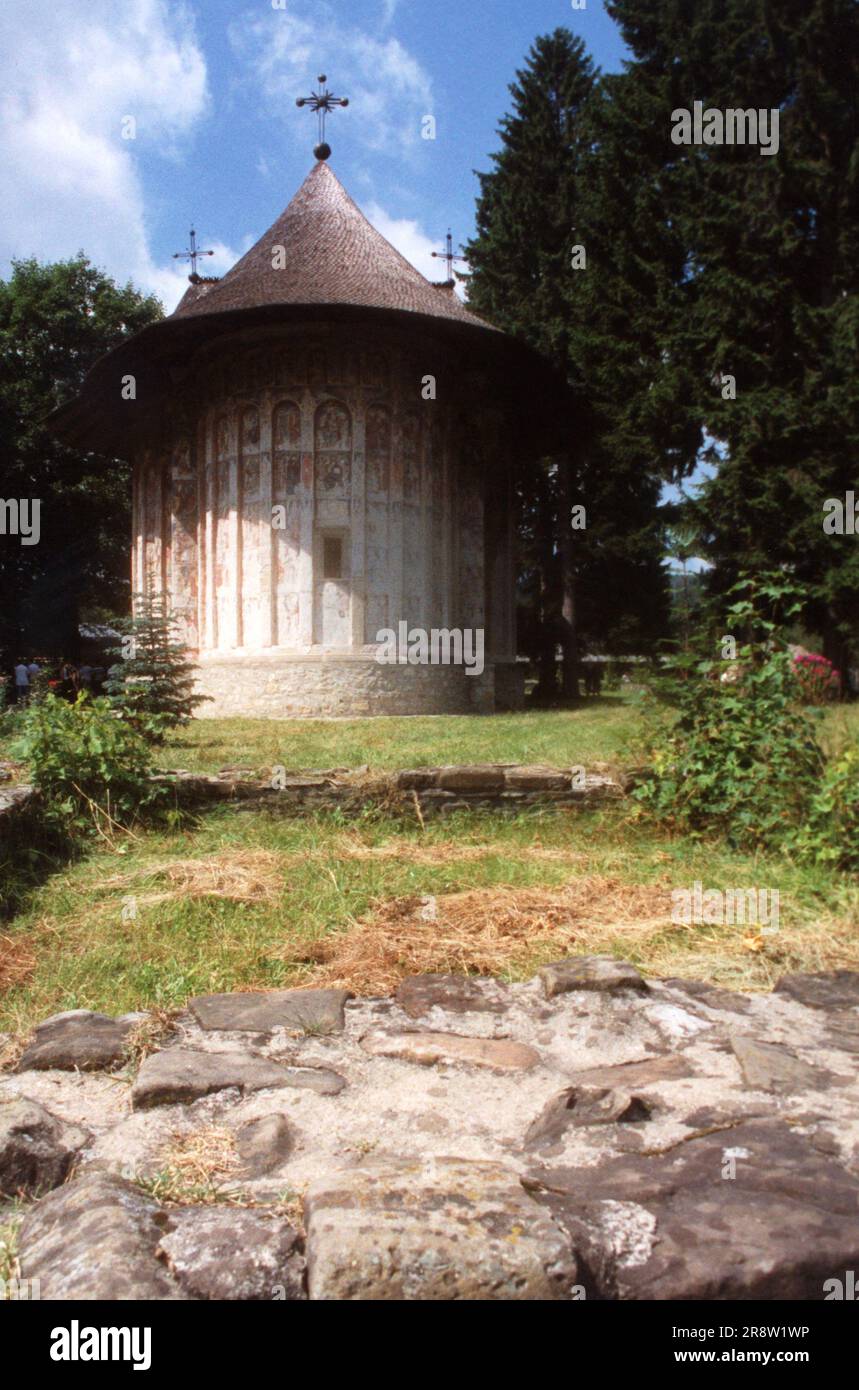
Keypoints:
(312, 687)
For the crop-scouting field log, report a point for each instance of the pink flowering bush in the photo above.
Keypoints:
(819, 680)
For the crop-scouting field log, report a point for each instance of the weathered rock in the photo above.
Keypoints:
(37, 1150)
(480, 778)
(181, 1074)
(429, 1048)
(644, 1073)
(770, 1067)
(226, 1253)
(712, 995)
(602, 973)
(676, 1225)
(307, 1010)
(536, 779)
(444, 1229)
(263, 1145)
(417, 779)
(843, 1032)
(584, 1105)
(828, 989)
(76, 1041)
(456, 994)
(95, 1239)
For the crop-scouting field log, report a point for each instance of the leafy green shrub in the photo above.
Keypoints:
(90, 769)
(153, 683)
(742, 758)
(739, 756)
(831, 832)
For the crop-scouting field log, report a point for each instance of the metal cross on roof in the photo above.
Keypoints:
(322, 103)
(448, 256)
(192, 255)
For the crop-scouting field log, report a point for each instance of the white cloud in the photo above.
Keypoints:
(69, 76)
(413, 243)
(389, 92)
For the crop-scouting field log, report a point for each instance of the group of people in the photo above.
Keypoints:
(62, 678)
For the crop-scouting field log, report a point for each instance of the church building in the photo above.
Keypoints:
(323, 445)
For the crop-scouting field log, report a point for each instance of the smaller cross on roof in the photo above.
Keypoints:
(192, 255)
(447, 255)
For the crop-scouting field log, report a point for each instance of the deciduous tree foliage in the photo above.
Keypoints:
(55, 322)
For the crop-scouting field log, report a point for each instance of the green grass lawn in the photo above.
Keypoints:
(73, 946)
(607, 729)
(601, 731)
(312, 877)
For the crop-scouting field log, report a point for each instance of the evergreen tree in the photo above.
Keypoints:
(772, 271)
(604, 584)
(153, 683)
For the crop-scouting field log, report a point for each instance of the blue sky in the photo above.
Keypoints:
(211, 88)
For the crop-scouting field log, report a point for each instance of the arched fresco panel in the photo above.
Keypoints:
(332, 609)
(288, 496)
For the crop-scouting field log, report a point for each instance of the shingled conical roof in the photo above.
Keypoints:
(331, 255)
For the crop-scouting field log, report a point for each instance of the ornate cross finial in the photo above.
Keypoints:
(448, 256)
(192, 255)
(322, 102)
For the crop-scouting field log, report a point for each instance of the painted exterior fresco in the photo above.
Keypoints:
(309, 497)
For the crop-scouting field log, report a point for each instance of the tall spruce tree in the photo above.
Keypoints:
(771, 278)
(539, 203)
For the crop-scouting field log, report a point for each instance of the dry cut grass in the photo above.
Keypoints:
(17, 961)
(508, 932)
(239, 876)
(497, 931)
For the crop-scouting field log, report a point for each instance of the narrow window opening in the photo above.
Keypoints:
(332, 557)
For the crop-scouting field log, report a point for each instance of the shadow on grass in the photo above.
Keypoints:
(31, 850)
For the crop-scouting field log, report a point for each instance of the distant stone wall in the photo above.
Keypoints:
(427, 790)
(14, 802)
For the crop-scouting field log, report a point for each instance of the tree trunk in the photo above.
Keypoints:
(568, 626)
(547, 684)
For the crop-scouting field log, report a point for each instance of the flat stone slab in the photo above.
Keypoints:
(456, 994)
(828, 989)
(602, 973)
(307, 1010)
(227, 1253)
(477, 778)
(95, 1239)
(37, 1149)
(183, 1074)
(77, 1041)
(711, 995)
(677, 1225)
(427, 1049)
(584, 1105)
(643, 1073)
(537, 778)
(443, 1229)
(770, 1067)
